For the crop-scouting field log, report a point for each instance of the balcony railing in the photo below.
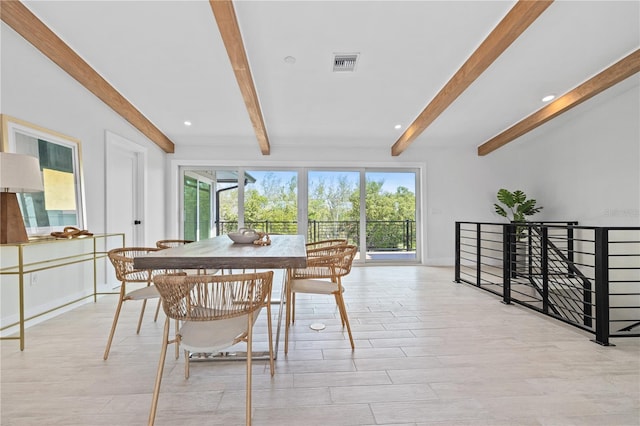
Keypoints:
(588, 277)
(382, 235)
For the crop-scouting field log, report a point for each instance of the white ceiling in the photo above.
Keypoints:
(167, 58)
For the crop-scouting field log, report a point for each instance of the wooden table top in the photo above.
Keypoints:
(285, 251)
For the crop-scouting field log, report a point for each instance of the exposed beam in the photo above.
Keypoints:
(614, 74)
(506, 32)
(228, 24)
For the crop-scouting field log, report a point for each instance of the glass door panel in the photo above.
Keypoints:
(271, 201)
(333, 207)
(390, 212)
(210, 202)
(190, 210)
(204, 210)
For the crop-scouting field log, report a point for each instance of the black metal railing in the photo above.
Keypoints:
(588, 277)
(382, 235)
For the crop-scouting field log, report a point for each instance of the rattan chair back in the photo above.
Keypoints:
(327, 262)
(122, 260)
(213, 297)
(165, 244)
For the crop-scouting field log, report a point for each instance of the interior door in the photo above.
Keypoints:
(125, 189)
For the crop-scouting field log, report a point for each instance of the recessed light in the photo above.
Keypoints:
(290, 59)
(187, 123)
(548, 98)
(397, 126)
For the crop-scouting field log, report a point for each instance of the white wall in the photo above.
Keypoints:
(36, 90)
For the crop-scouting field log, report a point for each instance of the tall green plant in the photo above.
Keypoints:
(517, 204)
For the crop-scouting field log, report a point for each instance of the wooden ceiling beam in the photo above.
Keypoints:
(25, 23)
(225, 16)
(614, 74)
(523, 14)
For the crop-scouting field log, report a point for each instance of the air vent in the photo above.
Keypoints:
(345, 62)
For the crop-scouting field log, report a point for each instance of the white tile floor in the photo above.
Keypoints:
(428, 352)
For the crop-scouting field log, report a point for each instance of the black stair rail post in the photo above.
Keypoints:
(478, 253)
(529, 255)
(457, 267)
(570, 247)
(545, 268)
(602, 285)
(513, 250)
(508, 231)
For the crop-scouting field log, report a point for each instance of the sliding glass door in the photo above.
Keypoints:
(375, 209)
(209, 202)
(197, 208)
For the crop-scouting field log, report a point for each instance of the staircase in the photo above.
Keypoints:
(588, 277)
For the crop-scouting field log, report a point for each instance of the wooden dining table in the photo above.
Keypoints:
(284, 252)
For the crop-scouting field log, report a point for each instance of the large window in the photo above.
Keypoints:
(384, 229)
(373, 209)
(271, 201)
(390, 214)
(333, 205)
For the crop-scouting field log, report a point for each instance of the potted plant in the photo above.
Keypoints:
(518, 207)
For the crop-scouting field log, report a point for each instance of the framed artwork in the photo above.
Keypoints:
(61, 203)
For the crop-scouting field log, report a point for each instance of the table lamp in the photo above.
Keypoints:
(18, 173)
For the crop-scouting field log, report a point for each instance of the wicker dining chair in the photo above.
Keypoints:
(312, 247)
(122, 260)
(316, 249)
(323, 275)
(215, 312)
(165, 244)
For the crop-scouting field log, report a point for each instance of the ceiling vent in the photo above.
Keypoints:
(345, 62)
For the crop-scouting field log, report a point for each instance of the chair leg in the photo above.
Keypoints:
(339, 310)
(249, 349)
(155, 317)
(287, 322)
(156, 389)
(186, 364)
(144, 304)
(343, 313)
(293, 307)
(115, 322)
(269, 332)
(177, 341)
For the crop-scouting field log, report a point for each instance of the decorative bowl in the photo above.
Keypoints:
(243, 236)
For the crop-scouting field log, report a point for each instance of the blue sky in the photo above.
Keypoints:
(391, 179)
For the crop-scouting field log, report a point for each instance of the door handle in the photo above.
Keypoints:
(137, 222)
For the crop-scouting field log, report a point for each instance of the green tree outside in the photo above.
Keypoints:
(331, 199)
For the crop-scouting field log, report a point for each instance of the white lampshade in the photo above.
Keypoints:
(20, 173)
